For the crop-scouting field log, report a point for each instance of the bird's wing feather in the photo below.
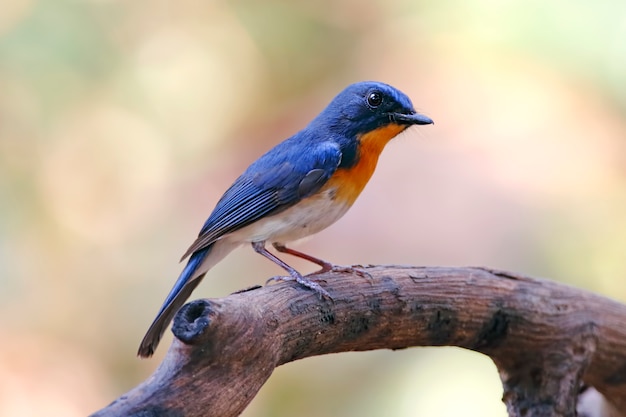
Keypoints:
(275, 182)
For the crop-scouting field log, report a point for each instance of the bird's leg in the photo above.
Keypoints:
(326, 266)
(259, 247)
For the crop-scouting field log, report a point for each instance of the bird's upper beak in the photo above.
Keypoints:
(410, 119)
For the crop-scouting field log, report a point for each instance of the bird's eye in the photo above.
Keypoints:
(374, 99)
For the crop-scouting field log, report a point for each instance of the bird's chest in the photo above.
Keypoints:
(348, 182)
(317, 212)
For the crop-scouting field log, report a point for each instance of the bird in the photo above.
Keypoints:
(296, 189)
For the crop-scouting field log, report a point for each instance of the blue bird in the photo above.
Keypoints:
(296, 189)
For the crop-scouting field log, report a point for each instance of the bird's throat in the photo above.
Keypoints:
(349, 182)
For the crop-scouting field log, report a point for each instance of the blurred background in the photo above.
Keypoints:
(122, 122)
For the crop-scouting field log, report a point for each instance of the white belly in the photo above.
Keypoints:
(309, 216)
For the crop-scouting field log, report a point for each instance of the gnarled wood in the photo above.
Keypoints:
(545, 338)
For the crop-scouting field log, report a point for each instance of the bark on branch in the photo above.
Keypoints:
(545, 338)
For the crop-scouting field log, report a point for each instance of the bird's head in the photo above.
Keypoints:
(367, 106)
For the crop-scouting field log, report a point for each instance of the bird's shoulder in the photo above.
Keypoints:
(292, 160)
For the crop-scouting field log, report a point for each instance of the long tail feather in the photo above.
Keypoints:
(186, 283)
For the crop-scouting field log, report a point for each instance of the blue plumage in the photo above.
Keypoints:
(284, 195)
(181, 286)
(270, 185)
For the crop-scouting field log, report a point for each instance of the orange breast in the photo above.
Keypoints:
(349, 182)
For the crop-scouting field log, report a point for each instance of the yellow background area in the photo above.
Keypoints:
(122, 122)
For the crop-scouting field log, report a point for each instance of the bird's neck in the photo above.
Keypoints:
(348, 182)
(371, 144)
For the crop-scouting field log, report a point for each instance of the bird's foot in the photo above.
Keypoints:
(323, 294)
(353, 269)
(325, 266)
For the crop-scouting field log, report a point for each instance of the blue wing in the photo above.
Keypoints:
(276, 181)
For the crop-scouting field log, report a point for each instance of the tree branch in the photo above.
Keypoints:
(545, 338)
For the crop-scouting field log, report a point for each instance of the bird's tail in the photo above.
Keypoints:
(186, 283)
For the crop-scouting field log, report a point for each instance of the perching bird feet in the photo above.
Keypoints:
(353, 269)
(326, 266)
(305, 283)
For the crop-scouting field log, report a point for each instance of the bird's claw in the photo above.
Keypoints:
(358, 269)
(323, 294)
(353, 269)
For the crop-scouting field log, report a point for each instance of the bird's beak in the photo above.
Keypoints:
(410, 119)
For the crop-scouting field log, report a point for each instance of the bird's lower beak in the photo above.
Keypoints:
(411, 119)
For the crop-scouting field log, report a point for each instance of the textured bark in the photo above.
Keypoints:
(545, 338)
